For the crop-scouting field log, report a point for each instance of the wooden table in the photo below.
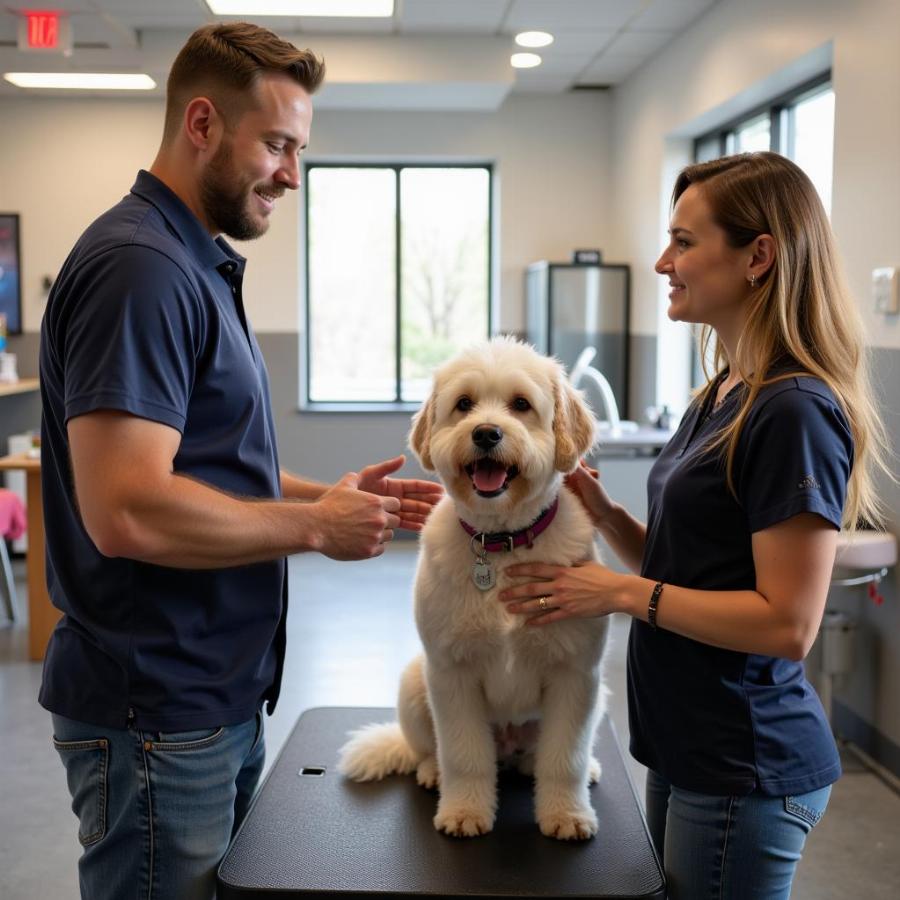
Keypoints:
(42, 615)
(22, 386)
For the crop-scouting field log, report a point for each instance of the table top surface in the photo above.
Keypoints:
(22, 386)
(20, 461)
(321, 834)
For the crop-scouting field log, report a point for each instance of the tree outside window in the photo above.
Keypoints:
(398, 267)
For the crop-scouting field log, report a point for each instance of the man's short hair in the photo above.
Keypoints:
(223, 62)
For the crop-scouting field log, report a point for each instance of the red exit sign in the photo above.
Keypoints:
(45, 31)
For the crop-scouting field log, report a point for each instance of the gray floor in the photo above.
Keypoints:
(350, 633)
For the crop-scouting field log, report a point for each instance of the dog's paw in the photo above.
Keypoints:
(594, 770)
(427, 773)
(458, 820)
(569, 825)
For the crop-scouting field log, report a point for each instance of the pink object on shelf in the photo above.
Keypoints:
(13, 519)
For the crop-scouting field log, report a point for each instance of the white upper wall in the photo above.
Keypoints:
(63, 162)
(735, 50)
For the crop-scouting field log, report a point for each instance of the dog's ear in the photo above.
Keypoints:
(573, 426)
(420, 434)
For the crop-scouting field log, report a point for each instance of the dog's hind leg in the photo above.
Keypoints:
(416, 722)
(401, 747)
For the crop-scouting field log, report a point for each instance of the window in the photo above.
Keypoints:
(798, 125)
(398, 276)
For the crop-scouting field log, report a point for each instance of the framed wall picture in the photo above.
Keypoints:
(10, 273)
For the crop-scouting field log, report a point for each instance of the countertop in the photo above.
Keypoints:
(645, 440)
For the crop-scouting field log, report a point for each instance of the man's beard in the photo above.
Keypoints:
(225, 201)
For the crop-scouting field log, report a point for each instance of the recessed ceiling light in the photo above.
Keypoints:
(534, 39)
(525, 60)
(91, 81)
(374, 9)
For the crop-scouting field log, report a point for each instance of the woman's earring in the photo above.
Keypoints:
(752, 281)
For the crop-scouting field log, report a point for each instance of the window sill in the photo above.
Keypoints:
(330, 408)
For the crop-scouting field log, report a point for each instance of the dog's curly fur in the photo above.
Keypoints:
(486, 679)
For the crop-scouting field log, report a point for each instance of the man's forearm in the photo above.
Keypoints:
(183, 523)
(295, 488)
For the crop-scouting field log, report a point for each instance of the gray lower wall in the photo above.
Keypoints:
(641, 375)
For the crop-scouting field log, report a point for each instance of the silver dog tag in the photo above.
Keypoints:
(483, 575)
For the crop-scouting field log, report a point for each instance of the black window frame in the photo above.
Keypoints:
(776, 108)
(397, 403)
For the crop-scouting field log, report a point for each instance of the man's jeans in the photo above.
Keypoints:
(729, 848)
(156, 811)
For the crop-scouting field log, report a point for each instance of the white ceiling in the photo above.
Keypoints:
(438, 54)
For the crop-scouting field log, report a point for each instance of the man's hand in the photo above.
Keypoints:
(417, 498)
(355, 524)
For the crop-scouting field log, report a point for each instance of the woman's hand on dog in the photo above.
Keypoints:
(582, 591)
(585, 484)
(417, 497)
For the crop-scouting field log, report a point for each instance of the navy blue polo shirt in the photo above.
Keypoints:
(717, 721)
(146, 317)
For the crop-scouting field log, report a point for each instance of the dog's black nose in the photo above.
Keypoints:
(486, 437)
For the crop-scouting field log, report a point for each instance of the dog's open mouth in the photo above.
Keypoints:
(490, 478)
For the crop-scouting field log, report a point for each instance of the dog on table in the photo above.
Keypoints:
(501, 428)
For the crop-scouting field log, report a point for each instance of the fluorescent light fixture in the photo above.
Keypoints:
(534, 39)
(525, 60)
(370, 9)
(84, 81)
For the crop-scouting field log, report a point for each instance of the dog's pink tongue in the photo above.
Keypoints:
(488, 475)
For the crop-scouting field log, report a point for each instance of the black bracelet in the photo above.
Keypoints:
(654, 603)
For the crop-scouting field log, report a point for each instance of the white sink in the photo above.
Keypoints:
(866, 550)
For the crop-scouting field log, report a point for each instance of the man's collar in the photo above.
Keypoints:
(209, 252)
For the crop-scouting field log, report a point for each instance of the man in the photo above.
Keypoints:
(167, 516)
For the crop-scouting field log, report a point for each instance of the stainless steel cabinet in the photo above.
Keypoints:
(571, 306)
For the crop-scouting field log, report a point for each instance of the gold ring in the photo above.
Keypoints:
(542, 602)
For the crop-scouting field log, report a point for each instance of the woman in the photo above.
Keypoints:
(745, 502)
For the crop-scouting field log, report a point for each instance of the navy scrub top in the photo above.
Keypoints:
(711, 720)
(147, 317)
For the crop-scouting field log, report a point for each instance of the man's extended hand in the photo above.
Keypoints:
(417, 497)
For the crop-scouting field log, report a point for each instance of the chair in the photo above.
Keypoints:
(13, 522)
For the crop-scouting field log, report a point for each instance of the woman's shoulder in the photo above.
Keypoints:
(799, 401)
(795, 391)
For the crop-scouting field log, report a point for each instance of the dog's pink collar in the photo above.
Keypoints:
(509, 540)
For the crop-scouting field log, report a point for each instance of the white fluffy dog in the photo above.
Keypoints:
(501, 428)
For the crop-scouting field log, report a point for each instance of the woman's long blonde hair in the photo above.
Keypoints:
(801, 310)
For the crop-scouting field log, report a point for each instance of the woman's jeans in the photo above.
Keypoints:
(729, 848)
(156, 811)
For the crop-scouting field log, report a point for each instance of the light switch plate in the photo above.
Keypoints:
(886, 289)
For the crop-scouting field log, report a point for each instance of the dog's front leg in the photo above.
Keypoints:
(569, 715)
(466, 755)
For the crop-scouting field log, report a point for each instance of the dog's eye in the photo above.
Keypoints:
(520, 404)
(464, 404)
